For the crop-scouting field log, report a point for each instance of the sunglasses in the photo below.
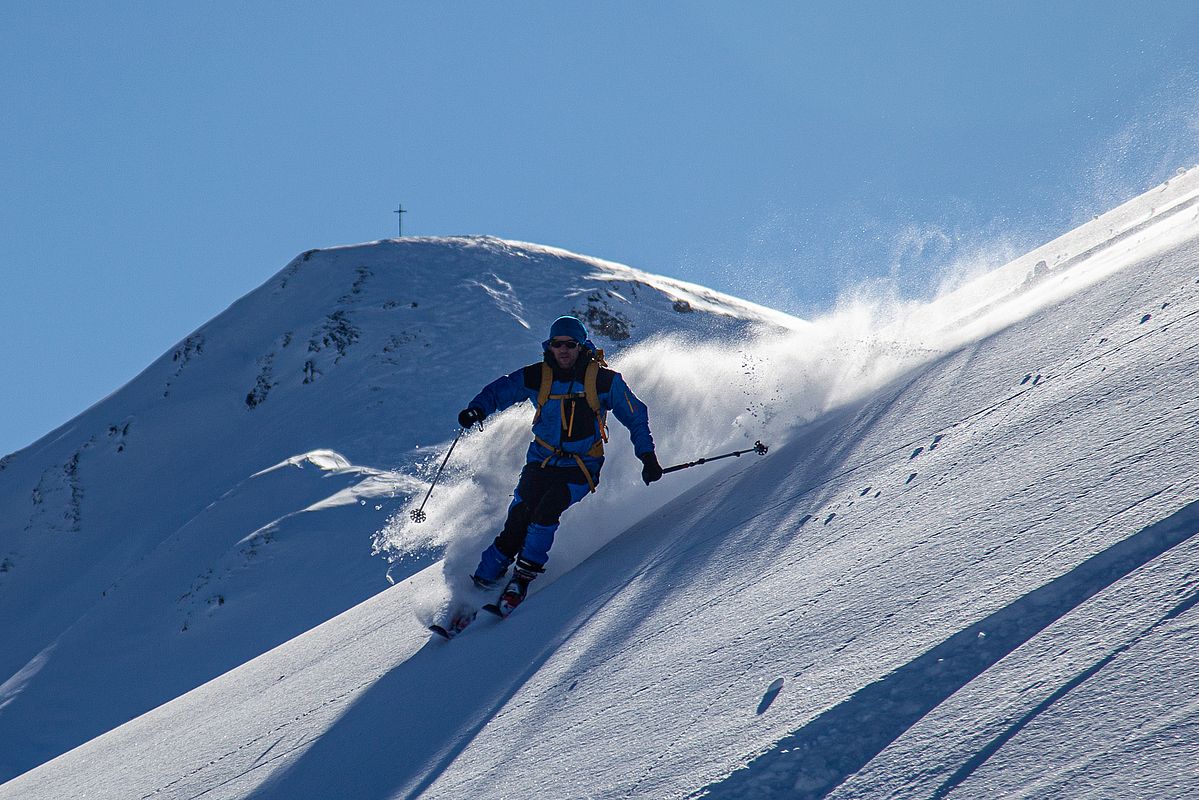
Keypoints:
(569, 344)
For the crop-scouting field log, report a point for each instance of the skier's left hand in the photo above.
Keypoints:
(652, 470)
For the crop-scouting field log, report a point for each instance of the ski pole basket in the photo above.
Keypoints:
(418, 514)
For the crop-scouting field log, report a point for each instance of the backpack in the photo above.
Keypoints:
(590, 394)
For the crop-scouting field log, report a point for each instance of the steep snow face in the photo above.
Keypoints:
(965, 566)
(149, 545)
(712, 397)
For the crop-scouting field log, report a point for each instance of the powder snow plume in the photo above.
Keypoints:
(710, 398)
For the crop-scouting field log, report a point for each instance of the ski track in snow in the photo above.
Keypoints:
(174, 528)
(840, 746)
(903, 598)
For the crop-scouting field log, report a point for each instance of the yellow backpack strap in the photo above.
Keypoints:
(592, 395)
(543, 393)
(589, 390)
(558, 451)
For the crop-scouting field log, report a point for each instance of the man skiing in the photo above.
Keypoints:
(573, 392)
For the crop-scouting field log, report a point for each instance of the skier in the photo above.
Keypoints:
(573, 393)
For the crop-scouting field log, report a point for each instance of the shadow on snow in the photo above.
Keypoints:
(818, 757)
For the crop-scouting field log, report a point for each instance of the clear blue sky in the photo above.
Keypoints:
(159, 160)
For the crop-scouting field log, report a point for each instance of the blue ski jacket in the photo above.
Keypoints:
(567, 427)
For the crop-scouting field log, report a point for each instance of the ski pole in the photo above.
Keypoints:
(758, 448)
(418, 514)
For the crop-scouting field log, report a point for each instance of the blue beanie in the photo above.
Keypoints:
(569, 326)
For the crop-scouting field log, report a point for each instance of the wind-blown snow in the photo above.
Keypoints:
(710, 397)
(968, 557)
(225, 500)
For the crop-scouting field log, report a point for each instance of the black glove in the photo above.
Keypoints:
(469, 416)
(652, 470)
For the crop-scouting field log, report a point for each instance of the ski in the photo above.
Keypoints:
(442, 632)
(463, 616)
(514, 592)
(456, 625)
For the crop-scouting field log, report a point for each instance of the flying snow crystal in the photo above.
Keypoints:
(708, 397)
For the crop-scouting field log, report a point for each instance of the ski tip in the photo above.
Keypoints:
(440, 631)
(494, 609)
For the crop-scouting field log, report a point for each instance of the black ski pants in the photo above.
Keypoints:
(541, 496)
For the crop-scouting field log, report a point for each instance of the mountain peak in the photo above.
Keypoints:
(965, 565)
(160, 497)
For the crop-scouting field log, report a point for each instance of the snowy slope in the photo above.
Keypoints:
(968, 556)
(227, 499)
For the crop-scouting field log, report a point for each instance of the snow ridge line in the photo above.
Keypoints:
(1152, 220)
(985, 410)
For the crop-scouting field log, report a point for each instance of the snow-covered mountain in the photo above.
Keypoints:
(965, 569)
(227, 499)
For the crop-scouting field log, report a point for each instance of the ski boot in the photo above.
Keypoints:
(484, 584)
(517, 589)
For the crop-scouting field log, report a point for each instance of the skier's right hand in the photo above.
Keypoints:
(469, 416)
